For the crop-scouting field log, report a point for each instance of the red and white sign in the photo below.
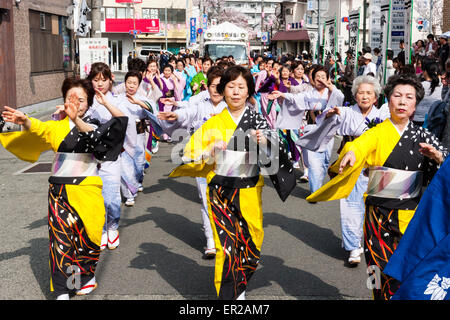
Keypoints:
(125, 25)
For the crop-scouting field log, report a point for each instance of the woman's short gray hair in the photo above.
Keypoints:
(366, 79)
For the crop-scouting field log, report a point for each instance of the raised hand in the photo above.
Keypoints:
(431, 152)
(287, 83)
(168, 116)
(333, 111)
(218, 146)
(168, 101)
(59, 114)
(349, 159)
(71, 107)
(275, 95)
(101, 98)
(14, 116)
(132, 99)
(258, 136)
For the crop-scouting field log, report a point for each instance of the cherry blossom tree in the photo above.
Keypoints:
(422, 11)
(216, 9)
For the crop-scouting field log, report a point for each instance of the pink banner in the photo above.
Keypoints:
(127, 25)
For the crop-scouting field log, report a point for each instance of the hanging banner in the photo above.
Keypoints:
(83, 27)
(330, 40)
(353, 34)
(385, 36)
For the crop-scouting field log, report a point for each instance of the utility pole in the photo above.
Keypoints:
(431, 16)
(262, 26)
(200, 20)
(318, 32)
(96, 18)
(187, 23)
(134, 28)
(364, 22)
(165, 28)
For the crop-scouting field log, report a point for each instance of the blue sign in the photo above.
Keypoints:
(398, 33)
(205, 21)
(265, 37)
(193, 30)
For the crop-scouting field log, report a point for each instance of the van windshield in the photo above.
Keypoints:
(214, 51)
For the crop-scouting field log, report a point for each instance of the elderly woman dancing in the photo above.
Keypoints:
(76, 209)
(351, 122)
(400, 158)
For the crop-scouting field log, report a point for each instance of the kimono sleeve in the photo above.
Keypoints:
(196, 159)
(29, 144)
(106, 141)
(274, 160)
(342, 184)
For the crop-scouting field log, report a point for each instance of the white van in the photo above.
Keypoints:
(144, 51)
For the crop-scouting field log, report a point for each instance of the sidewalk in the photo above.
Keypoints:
(42, 109)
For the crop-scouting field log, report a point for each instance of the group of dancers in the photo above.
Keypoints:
(239, 125)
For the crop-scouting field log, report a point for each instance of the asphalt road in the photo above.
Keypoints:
(160, 255)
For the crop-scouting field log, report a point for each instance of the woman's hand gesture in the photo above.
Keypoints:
(168, 116)
(132, 99)
(259, 137)
(275, 95)
(217, 147)
(431, 152)
(333, 111)
(348, 159)
(100, 97)
(71, 107)
(14, 116)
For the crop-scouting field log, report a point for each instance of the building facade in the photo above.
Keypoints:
(121, 18)
(35, 51)
(254, 10)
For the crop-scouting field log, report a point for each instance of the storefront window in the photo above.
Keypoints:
(110, 13)
(121, 13)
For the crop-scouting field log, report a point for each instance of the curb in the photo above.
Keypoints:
(41, 109)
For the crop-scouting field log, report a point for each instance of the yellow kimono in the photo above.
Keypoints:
(234, 192)
(76, 212)
(397, 171)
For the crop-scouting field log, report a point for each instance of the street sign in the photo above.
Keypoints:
(205, 21)
(193, 30)
(199, 30)
(265, 37)
(134, 33)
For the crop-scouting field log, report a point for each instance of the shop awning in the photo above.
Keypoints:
(296, 35)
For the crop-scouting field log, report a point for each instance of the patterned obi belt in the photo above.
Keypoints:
(394, 183)
(236, 164)
(74, 165)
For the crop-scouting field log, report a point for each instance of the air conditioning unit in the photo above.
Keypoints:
(289, 11)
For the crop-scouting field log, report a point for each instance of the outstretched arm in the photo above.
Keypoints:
(17, 117)
(101, 98)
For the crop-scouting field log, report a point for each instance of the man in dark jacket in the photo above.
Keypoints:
(443, 52)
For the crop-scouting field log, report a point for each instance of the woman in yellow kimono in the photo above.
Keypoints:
(401, 158)
(76, 212)
(231, 150)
